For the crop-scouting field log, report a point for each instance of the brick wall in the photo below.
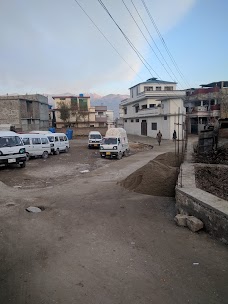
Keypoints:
(83, 131)
(9, 112)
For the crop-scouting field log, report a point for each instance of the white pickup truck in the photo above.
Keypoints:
(115, 143)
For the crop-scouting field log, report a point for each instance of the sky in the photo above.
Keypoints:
(52, 47)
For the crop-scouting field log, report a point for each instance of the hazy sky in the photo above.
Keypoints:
(50, 46)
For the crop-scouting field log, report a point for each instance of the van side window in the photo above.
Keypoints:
(61, 138)
(36, 141)
(65, 138)
(26, 141)
(44, 140)
(56, 138)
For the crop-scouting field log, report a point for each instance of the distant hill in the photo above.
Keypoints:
(112, 101)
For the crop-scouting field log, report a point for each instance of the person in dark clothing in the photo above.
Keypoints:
(174, 135)
(159, 137)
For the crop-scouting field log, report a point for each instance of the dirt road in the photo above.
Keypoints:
(96, 242)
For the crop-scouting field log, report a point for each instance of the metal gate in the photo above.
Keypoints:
(144, 127)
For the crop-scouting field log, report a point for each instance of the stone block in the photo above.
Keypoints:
(181, 220)
(194, 224)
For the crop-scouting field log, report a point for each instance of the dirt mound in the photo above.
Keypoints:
(157, 178)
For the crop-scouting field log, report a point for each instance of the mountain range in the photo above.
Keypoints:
(112, 101)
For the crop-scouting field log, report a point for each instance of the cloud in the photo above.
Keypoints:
(51, 46)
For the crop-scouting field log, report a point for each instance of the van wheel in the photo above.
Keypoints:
(27, 156)
(119, 156)
(67, 149)
(126, 153)
(57, 152)
(23, 165)
(45, 155)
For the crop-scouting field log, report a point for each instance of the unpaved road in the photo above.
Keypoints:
(96, 242)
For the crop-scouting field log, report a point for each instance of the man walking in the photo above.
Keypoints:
(159, 137)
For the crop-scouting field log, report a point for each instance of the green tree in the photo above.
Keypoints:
(64, 110)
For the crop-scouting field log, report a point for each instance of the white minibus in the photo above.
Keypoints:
(36, 145)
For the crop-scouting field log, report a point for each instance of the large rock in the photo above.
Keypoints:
(194, 224)
(181, 220)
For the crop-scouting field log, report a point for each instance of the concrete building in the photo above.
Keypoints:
(154, 105)
(81, 114)
(211, 100)
(25, 112)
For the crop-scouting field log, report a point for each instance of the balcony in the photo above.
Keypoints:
(100, 118)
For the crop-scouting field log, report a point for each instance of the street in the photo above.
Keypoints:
(96, 242)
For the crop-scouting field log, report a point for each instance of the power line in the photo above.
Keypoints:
(155, 43)
(106, 38)
(164, 43)
(150, 44)
(140, 56)
(132, 46)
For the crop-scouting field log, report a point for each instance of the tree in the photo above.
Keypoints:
(64, 110)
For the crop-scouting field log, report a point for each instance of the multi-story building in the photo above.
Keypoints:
(81, 114)
(154, 105)
(211, 100)
(25, 112)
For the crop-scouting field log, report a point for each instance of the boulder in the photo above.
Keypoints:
(181, 220)
(194, 224)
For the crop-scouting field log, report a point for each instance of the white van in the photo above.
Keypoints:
(12, 150)
(36, 145)
(115, 143)
(94, 139)
(59, 142)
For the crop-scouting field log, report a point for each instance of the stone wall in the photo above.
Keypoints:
(190, 200)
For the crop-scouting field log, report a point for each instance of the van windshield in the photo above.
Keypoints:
(51, 138)
(109, 141)
(95, 136)
(10, 141)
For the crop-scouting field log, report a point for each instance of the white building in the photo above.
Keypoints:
(154, 105)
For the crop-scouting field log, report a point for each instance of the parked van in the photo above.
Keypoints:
(115, 143)
(59, 141)
(36, 145)
(94, 139)
(12, 150)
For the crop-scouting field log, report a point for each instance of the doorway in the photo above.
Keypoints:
(144, 127)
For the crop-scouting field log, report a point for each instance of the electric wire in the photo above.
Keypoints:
(175, 79)
(164, 43)
(107, 39)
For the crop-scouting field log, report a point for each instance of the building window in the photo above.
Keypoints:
(137, 120)
(136, 109)
(100, 113)
(165, 117)
(158, 88)
(125, 120)
(146, 89)
(144, 106)
(168, 88)
(125, 110)
(152, 105)
(153, 126)
(132, 120)
(62, 98)
(131, 93)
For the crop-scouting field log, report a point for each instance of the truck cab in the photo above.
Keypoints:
(114, 144)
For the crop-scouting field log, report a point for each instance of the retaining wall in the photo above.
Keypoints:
(210, 209)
